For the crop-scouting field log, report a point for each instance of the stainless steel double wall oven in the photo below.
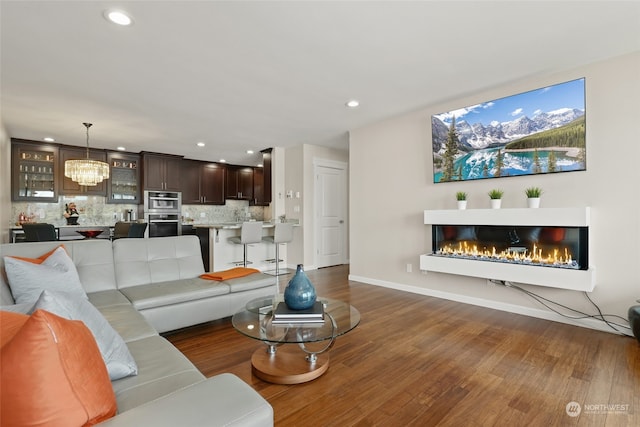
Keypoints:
(162, 211)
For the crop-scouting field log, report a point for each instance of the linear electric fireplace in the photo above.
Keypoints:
(550, 247)
(546, 247)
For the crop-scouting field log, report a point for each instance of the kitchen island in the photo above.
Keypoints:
(220, 254)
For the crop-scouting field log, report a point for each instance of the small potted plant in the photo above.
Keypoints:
(533, 196)
(496, 198)
(461, 197)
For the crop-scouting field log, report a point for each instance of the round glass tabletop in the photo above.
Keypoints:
(255, 321)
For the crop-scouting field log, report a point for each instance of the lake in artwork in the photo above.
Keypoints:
(481, 164)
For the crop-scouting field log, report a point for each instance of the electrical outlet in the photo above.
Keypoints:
(409, 268)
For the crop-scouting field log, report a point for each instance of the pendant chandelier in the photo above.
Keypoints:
(86, 171)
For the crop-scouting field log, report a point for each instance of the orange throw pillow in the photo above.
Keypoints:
(52, 374)
(10, 324)
(41, 258)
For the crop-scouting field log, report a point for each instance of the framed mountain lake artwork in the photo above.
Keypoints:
(536, 132)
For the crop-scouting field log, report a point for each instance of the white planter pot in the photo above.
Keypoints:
(496, 203)
(462, 204)
(533, 202)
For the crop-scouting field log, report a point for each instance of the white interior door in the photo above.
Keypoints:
(331, 202)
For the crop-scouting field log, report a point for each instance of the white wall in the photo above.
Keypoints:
(392, 183)
(5, 185)
(299, 178)
(293, 181)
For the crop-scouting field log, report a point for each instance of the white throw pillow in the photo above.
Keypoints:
(115, 353)
(27, 280)
(18, 308)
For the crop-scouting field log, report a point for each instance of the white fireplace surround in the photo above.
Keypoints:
(578, 280)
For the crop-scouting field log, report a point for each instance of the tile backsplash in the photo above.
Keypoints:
(95, 211)
(232, 211)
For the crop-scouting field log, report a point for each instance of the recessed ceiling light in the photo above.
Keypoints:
(249, 151)
(223, 161)
(121, 148)
(48, 139)
(118, 17)
(200, 144)
(353, 103)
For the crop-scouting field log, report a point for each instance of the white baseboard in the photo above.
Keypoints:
(497, 305)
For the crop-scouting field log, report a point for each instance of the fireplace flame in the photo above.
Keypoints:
(557, 257)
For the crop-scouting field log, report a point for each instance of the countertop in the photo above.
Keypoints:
(236, 225)
(78, 226)
(66, 232)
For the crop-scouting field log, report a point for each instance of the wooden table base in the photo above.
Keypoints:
(288, 365)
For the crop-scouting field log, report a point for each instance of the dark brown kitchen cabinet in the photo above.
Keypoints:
(190, 182)
(258, 187)
(202, 183)
(161, 172)
(67, 186)
(124, 182)
(34, 167)
(212, 184)
(262, 181)
(239, 182)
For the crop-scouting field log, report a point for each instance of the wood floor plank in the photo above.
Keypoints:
(421, 361)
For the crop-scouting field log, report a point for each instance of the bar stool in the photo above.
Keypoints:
(120, 230)
(283, 233)
(251, 232)
(137, 230)
(39, 232)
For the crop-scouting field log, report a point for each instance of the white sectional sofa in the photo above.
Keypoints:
(147, 286)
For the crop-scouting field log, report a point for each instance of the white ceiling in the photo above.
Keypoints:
(250, 75)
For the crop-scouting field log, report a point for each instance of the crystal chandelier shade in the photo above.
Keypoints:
(86, 171)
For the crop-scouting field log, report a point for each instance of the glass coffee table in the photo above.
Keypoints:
(293, 364)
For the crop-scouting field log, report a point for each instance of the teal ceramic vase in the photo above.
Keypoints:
(300, 293)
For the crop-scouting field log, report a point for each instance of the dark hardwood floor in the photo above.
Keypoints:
(421, 361)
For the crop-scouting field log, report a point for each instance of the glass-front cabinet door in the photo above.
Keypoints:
(34, 168)
(124, 185)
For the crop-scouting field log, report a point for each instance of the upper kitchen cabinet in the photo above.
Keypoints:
(202, 183)
(190, 182)
(67, 186)
(34, 167)
(212, 183)
(161, 171)
(258, 187)
(239, 182)
(262, 181)
(124, 183)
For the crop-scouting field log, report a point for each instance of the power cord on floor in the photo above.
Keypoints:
(600, 316)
